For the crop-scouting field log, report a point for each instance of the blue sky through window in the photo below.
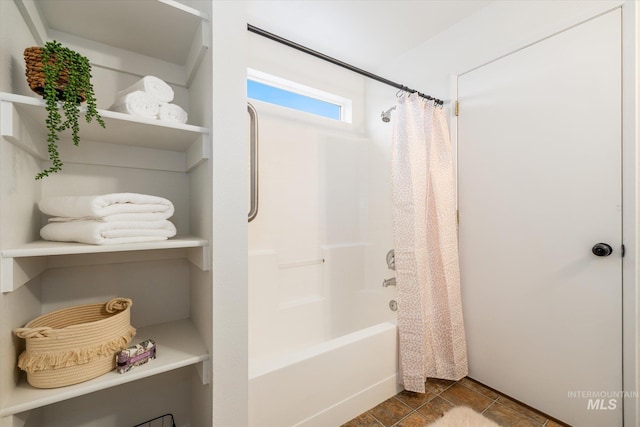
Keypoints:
(274, 95)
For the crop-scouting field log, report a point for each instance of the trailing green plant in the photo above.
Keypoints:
(59, 64)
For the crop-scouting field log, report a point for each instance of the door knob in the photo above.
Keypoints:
(601, 249)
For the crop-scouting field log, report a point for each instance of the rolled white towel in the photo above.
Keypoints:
(137, 103)
(155, 87)
(172, 113)
(107, 233)
(105, 205)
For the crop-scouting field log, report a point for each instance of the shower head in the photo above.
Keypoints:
(386, 115)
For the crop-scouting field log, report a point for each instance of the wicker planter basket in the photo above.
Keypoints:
(75, 344)
(35, 73)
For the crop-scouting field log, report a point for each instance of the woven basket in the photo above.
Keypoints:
(35, 73)
(75, 344)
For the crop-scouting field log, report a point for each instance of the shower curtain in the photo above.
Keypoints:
(430, 324)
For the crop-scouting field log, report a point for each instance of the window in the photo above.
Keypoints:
(278, 91)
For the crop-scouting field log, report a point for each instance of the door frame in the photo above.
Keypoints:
(630, 185)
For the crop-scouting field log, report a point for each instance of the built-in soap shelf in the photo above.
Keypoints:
(178, 345)
(126, 141)
(23, 263)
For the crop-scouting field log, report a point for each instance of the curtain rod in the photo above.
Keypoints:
(335, 61)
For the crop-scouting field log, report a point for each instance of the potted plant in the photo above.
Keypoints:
(63, 77)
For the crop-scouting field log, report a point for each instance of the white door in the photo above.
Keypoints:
(539, 163)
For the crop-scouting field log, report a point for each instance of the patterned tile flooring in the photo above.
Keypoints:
(408, 409)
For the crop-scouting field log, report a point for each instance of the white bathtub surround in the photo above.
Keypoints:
(430, 324)
(322, 340)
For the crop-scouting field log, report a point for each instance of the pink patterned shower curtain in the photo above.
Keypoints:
(430, 324)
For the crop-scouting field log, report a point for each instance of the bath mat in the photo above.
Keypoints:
(462, 416)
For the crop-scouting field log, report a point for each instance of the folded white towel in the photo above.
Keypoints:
(142, 216)
(137, 103)
(105, 205)
(107, 233)
(155, 87)
(172, 113)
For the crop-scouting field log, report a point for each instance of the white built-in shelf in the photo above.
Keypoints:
(121, 128)
(178, 345)
(47, 248)
(24, 125)
(23, 263)
(170, 37)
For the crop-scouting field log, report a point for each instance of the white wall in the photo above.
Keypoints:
(229, 215)
(496, 30)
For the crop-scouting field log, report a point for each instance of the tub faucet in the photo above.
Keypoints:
(389, 282)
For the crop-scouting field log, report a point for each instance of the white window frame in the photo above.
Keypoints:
(345, 104)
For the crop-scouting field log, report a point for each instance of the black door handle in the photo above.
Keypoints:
(601, 249)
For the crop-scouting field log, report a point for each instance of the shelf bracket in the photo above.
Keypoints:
(15, 131)
(204, 371)
(196, 53)
(17, 420)
(197, 153)
(29, 12)
(200, 257)
(18, 271)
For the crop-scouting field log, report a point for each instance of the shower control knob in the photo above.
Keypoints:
(391, 260)
(601, 249)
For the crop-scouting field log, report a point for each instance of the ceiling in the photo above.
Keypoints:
(365, 33)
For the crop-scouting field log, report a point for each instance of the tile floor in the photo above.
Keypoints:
(408, 409)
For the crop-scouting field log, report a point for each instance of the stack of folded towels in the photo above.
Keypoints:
(108, 219)
(149, 98)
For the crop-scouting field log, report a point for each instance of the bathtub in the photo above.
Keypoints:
(327, 384)
(322, 339)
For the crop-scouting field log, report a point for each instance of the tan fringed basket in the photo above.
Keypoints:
(75, 344)
(35, 73)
